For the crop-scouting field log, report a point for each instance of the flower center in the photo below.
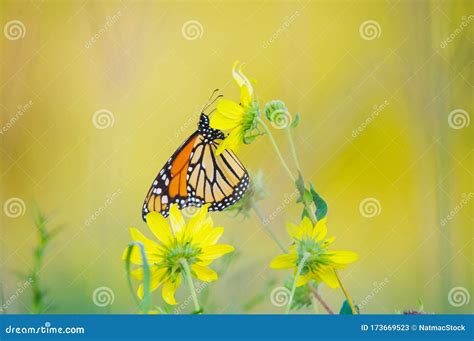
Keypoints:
(178, 251)
(317, 256)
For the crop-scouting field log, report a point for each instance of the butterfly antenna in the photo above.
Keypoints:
(211, 101)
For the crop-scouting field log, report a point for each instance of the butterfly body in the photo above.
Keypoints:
(195, 175)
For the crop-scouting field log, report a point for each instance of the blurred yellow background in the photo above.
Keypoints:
(385, 99)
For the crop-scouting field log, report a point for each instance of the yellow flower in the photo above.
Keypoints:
(194, 243)
(238, 118)
(311, 244)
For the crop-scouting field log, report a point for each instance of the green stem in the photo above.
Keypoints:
(267, 228)
(348, 298)
(189, 279)
(293, 150)
(298, 272)
(277, 150)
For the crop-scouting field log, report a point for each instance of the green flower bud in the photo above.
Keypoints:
(278, 115)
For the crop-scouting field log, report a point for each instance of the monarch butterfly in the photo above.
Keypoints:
(194, 175)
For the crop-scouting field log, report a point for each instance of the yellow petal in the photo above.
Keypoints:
(197, 220)
(320, 230)
(228, 112)
(306, 227)
(342, 257)
(137, 236)
(156, 278)
(326, 275)
(204, 274)
(209, 236)
(233, 141)
(292, 230)
(214, 251)
(245, 96)
(169, 289)
(303, 279)
(177, 221)
(285, 261)
(329, 241)
(159, 226)
(239, 76)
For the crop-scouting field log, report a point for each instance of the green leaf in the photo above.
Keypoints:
(296, 121)
(346, 309)
(145, 304)
(321, 205)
